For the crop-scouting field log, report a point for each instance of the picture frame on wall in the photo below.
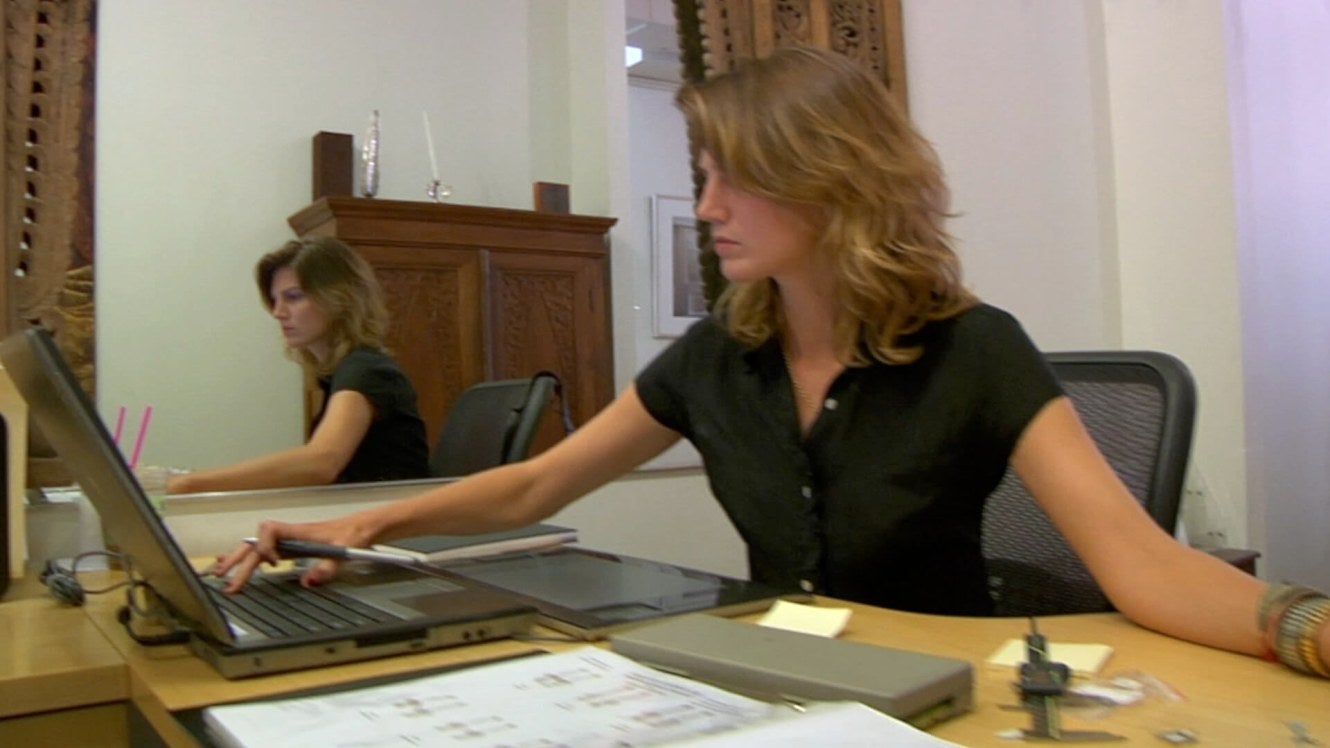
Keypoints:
(677, 291)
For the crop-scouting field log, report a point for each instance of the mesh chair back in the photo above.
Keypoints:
(491, 423)
(1139, 407)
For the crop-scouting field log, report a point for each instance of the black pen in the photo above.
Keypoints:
(311, 549)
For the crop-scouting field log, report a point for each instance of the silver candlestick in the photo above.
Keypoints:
(369, 157)
(437, 191)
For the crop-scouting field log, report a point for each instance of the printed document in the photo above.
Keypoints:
(584, 697)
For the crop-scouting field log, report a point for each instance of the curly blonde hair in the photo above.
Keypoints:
(343, 286)
(809, 126)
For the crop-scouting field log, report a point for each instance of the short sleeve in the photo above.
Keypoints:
(1018, 379)
(373, 376)
(663, 385)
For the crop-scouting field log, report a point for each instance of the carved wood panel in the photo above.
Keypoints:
(484, 293)
(435, 330)
(551, 312)
(716, 34)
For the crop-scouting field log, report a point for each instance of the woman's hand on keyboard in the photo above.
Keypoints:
(239, 564)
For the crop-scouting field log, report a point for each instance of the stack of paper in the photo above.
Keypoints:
(581, 697)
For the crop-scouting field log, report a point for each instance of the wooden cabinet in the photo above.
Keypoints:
(484, 293)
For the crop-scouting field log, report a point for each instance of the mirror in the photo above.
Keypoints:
(205, 120)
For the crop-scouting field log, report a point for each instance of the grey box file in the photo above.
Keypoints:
(919, 688)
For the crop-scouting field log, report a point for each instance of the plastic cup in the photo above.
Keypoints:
(153, 480)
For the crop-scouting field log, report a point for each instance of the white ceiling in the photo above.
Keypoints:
(650, 27)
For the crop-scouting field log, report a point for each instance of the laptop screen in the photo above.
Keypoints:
(68, 420)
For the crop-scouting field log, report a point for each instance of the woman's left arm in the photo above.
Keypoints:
(1152, 578)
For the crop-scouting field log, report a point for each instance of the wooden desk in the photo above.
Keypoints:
(1229, 699)
(61, 681)
(168, 679)
(57, 658)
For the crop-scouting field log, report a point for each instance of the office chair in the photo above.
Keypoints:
(1139, 406)
(493, 423)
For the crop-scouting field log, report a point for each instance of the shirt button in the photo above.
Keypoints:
(831, 403)
(807, 491)
(806, 585)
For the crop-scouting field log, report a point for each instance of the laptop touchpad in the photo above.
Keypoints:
(408, 598)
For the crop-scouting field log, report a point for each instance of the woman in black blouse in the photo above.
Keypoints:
(853, 403)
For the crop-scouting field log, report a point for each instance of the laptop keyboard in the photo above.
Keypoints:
(281, 608)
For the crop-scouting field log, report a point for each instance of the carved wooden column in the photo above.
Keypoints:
(715, 34)
(46, 196)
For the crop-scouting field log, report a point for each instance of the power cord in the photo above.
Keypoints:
(153, 610)
(126, 618)
(64, 584)
(65, 587)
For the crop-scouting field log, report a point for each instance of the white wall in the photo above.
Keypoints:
(1280, 73)
(1177, 242)
(1006, 93)
(1086, 143)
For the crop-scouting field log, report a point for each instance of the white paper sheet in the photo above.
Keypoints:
(584, 697)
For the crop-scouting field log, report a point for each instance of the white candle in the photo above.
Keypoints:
(429, 142)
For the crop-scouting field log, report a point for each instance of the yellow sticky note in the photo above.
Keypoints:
(1083, 659)
(807, 619)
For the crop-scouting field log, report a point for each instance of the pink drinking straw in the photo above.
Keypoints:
(119, 425)
(143, 434)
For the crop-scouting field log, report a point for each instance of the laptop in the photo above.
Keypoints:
(370, 611)
(590, 594)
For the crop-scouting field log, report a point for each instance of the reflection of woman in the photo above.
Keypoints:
(333, 320)
(853, 402)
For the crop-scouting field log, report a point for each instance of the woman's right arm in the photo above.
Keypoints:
(317, 462)
(619, 438)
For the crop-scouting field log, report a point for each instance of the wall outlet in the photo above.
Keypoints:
(1201, 516)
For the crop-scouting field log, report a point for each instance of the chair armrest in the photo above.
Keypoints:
(1243, 558)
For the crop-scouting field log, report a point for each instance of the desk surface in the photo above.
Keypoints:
(1229, 699)
(55, 657)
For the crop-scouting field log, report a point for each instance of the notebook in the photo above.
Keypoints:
(920, 688)
(370, 611)
(588, 594)
(436, 549)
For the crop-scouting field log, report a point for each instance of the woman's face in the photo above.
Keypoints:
(756, 237)
(304, 325)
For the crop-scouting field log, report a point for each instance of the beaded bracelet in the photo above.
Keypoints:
(1276, 601)
(1297, 642)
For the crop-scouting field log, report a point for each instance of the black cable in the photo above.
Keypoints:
(64, 584)
(65, 587)
(126, 619)
(155, 611)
